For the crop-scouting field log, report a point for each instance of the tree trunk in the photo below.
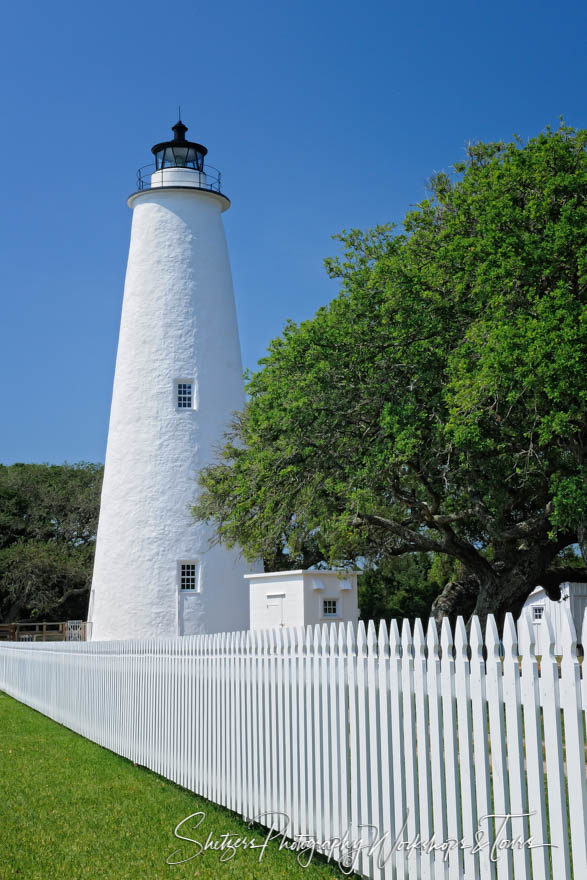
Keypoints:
(458, 597)
(13, 613)
(506, 586)
(582, 541)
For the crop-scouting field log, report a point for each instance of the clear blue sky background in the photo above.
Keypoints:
(321, 115)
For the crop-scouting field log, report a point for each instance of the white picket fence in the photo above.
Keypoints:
(419, 739)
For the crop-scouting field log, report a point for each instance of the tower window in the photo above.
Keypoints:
(184, 395)
(329, 607)
(187, 576)
(538, 613)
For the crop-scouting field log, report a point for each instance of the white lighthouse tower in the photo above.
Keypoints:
(178, 381)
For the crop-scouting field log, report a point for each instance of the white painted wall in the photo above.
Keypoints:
(295, 598)
(178, 321)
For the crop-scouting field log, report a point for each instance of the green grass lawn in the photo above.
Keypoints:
(70, 809)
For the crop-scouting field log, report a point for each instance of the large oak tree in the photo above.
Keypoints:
(438, 403)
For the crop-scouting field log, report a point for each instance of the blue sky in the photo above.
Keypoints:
(320, 115)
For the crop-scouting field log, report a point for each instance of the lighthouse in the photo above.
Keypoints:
(177, 383)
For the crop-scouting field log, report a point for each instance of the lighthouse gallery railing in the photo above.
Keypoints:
(210, 178)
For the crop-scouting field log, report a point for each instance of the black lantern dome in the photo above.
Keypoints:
(179, 153)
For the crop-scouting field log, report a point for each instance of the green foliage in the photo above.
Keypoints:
(404, 587)
(48, 521)
(438, 403)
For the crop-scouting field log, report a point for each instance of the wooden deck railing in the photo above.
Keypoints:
(44, 631)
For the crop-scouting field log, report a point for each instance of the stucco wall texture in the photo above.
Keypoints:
(178, 323)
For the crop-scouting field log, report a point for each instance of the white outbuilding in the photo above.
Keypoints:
(539, 606)
(302, 598)
(177, 383)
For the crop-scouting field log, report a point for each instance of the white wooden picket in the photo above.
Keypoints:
(402, 747)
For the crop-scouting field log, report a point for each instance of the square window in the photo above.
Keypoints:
(187, 576)
(538, 613)
(184, 395)
(329, 607)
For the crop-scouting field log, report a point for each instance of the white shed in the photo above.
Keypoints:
(574, 596)
(302, 597)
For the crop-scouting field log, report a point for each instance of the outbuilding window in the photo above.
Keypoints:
(329, 607)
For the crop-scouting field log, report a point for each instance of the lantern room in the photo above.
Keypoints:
(179, 153)
(179, 163)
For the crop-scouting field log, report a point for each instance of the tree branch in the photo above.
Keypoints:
(414, 539)
(556, 576)
(529, 526)
(447, 518)
(403, 548)
(452, 545)
(73, 592)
